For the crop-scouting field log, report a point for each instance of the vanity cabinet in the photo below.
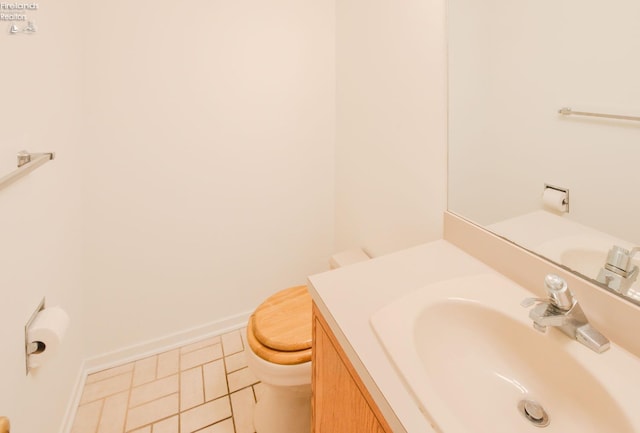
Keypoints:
(341, 402)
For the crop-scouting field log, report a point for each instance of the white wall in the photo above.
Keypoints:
(40, 214)
(210, 150)
(514, 65)
(391, 124)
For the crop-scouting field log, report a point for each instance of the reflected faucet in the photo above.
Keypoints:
(619, 273)
(561, 310)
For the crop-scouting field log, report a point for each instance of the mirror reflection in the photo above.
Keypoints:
(556, 182)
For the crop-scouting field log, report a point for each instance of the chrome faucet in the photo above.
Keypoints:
(561, 310)
(619, 272)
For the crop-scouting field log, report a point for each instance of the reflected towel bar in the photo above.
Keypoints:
(565, 111)
(27, 162)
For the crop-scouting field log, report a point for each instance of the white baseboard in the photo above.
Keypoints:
(74, 401)
(143, 350)
(165, 343)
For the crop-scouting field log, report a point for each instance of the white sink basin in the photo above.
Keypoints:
(467, 351)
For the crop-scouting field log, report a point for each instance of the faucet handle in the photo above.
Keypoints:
(527, 302)
(559, 293)
(619, 260)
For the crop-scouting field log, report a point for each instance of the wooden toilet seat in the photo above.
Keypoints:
(279, 331)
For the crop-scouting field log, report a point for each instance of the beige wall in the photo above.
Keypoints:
(40, 214)
(513, 66)
(391, 144)
(211, 160)
(207, 156)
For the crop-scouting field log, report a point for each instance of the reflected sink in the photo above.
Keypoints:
(587, 262)
(468, 353)
(584, 253)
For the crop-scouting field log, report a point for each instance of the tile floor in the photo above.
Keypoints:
(203, 387)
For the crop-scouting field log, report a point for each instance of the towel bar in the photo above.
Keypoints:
(27, 162)
(566, 111)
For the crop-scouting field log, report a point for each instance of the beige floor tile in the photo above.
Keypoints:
(146, 429)
(169, 425)
(106, 387)
(200, 344)
(144, 370)
(153, 390)
(215, 380)
(152, 411)
(241, 379)
(205, 415)
(114, 413)
(168, 363)
(225, 426)
(191, 388)
(200, 356)
(232, 343)
(87, 417)
(243, 403)
(235, 362)
(105, 374)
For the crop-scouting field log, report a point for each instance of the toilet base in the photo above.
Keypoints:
(283, 409)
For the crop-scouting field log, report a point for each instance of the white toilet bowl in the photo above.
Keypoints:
(279, 337)
(285, 402)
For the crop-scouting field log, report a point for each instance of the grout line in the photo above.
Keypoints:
(179, 390)
(217, 422)
(160, 397)
(204, 393)
(227, 396)
(226, 378)
(111, 376)
(100, 415)
(108, 378)
(150, 424)
(105, 396)
(126, 413)
(242, 339)
(255, 396)
(243, 388)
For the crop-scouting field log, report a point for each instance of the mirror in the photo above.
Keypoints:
(512, 65)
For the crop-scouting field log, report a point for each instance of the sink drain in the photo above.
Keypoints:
(534, 412)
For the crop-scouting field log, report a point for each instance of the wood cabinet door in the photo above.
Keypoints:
(341, 404)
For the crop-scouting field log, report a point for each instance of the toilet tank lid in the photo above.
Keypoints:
(346, 258)
(283, 321)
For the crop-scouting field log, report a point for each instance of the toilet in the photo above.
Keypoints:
(279, 337)
(279, 333)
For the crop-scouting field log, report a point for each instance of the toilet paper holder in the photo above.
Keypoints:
(31, 347)
(565, 201)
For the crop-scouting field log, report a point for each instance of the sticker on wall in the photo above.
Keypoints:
(19, 17)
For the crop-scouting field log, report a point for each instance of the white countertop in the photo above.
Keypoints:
(348, 296)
